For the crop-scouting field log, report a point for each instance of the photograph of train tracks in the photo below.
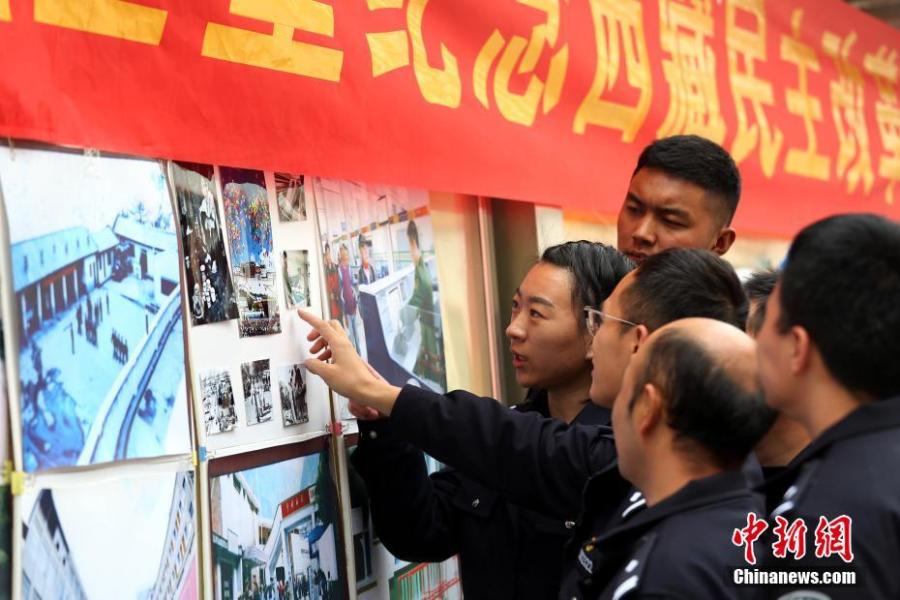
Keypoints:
(95, 272)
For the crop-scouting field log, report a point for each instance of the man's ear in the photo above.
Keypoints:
(647, 411)
(724, 241)
(641, 333)
(801, 350)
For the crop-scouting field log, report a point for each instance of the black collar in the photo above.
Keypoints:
(591, 414)
(869, 418)
(709, 491)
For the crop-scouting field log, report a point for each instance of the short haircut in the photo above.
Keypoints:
(412, 232)
(700, 161)
(684, 282)
(841, 283)
(596, 270)
(758, 288)
(704, 405)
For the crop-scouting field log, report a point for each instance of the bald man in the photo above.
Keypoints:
(687, 415)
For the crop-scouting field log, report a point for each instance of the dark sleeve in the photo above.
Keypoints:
(539, 463)
(411, 511)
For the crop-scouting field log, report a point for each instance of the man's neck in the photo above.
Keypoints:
(824, 403)
(786, 438)
(566, 401)
(667, 474)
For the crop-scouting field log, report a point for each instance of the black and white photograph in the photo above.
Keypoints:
(217, 396)
(100, 322)
(292, 386)
(207, 276)
(257, 391)
(295, 270)
(290, 192)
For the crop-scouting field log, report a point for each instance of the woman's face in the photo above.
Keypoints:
(546, 336)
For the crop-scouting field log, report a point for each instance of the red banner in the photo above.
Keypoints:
(542, 100)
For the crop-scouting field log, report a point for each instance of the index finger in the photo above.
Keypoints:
(322, 326)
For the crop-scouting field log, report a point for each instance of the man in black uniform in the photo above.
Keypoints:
(686, 417)
(541, 463)
(505, 551)
(829, 356)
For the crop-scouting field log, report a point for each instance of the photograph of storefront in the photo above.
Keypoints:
(274, 532)
(95, 272)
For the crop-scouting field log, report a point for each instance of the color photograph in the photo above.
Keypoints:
(217, 398)
(249, 230)
(275, 526)
(257, 391)
(96, 280)
(291, 195)
(207, 277)
(292, 386)
(380, 271)
(139, 543)
(295, 270)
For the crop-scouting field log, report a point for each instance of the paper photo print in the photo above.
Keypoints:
(207, 277)
(257, 391)
(249, 230)
(292, 387)
(291, 196)
(97, 294)
(275, 526)
(217, 398)
(380, 273)
(140, 542)
(295, 271)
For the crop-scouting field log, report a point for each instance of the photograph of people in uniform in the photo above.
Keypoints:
(207, 276)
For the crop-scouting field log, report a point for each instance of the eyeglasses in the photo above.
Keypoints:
(594, 319)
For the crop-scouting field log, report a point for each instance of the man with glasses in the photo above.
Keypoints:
(542, 463)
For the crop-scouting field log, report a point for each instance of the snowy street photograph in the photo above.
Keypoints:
(96, 278)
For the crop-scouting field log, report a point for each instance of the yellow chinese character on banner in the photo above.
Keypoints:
(390, 51)
(5, 15)
(115, 18)
(882, 65)
(690, 70)
(807, 162)
(847, 110)
(520, 56)
(746, 47)
(278, 50)
(618, 31)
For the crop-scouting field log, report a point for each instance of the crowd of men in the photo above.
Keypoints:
(686, 435)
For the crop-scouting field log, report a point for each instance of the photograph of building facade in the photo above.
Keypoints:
(48, 570)
(139, 543)
(95, 272)
(274, 532)
(178, 578)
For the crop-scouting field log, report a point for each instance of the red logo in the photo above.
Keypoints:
(749, 534)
